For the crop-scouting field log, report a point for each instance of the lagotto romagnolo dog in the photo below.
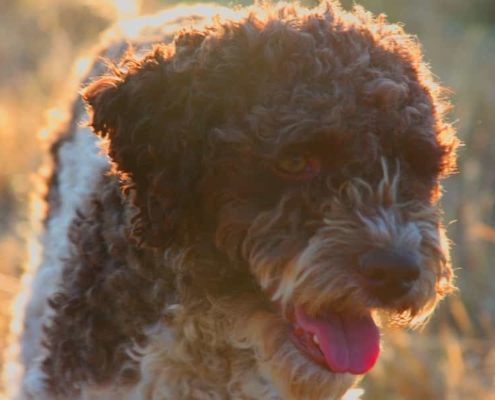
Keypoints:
(250, 195)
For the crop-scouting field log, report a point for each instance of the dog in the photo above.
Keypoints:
(252, 196)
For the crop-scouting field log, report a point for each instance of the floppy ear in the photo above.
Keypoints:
(143, 110)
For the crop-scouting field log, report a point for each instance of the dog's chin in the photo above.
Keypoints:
(336, 342)
(308, 354)
(292, 357)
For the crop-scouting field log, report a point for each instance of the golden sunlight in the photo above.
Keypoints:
(353, 394)
(127, 8)
(42, 42)
(122, 8)
(132, 28)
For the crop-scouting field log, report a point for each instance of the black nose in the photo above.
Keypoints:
(389, 274)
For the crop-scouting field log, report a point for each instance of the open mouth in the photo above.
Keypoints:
(339, 342)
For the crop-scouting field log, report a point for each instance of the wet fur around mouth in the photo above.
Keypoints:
(232, 169)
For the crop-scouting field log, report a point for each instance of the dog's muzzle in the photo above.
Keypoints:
(389, 274)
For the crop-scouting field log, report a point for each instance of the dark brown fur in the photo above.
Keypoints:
(194, 130)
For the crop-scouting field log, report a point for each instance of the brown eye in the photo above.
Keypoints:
(297, 166)
(293, 164)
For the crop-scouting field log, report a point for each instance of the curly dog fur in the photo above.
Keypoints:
(266, 192)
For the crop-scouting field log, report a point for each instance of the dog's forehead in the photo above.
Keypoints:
(291, 79)
(350, 132)
(328, 92)
(352, 117)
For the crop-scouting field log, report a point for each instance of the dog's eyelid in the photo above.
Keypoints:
(307, 147)
(297, 166)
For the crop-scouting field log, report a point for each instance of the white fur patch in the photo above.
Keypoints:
(81, 165)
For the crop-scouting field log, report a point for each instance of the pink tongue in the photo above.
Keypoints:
(349, 343)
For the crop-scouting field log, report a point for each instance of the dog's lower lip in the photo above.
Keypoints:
(302, 340)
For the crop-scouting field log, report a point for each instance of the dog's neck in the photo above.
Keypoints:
(207, 348)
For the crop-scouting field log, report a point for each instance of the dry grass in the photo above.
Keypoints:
(454, 357)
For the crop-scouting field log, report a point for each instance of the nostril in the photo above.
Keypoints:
(410, 270)
(374, 272)
(389, 273)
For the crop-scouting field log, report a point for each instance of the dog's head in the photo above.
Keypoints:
(297, 155)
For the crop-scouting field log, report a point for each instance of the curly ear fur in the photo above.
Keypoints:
(140, 109)
(156, 114)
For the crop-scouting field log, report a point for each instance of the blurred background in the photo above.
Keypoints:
(454, 356)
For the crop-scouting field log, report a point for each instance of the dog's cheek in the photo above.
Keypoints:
(229, 236)
(232, 197)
